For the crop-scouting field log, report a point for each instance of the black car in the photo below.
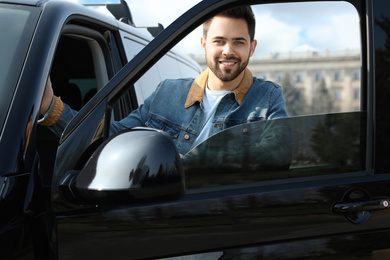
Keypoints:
(132, 196)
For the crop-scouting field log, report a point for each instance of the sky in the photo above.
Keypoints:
(279, 27)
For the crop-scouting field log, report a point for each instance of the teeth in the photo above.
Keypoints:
(228, 63)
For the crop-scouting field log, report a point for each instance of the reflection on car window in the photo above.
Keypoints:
(17, 26)
(280, 148)
(314, 55)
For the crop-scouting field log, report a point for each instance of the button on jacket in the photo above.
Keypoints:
(176, 108)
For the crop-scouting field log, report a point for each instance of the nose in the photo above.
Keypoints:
(227, 49)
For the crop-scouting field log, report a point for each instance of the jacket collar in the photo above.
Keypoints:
(197, 88)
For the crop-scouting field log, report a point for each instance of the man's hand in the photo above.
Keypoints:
(47, 97)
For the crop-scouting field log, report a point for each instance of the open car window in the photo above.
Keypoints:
(313, 51)
(319, 64)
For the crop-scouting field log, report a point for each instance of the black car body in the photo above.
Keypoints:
(218, 202)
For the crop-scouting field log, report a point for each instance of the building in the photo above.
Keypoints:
(331, 76)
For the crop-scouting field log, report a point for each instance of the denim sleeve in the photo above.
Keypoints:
(136, 118)
(66, 117)
(277, 105)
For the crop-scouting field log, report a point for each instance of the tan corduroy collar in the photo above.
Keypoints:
(199, 84)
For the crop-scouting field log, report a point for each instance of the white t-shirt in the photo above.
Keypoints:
(211, 99)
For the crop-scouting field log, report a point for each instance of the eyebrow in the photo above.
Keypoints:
(234, 39)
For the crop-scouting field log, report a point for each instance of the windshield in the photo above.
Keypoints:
(17, 24)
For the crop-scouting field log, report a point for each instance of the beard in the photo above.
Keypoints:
(226, 75)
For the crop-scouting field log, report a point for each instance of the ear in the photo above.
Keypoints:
(203, 43)
(253, 47)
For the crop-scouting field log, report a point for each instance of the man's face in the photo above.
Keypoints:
(228, 47)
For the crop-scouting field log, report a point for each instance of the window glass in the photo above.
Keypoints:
(337, 76)
(299, 77)
(356, 75)
(17, 24)
(313, 51)
(320, 39)
(318, 76)
(281, 148)
(325, 133)
(16, 29)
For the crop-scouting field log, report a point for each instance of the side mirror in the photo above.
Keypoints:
(137, 165)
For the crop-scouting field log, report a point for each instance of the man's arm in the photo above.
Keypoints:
(47, 97)
(51, 107)
(56, 114)
(136, 118)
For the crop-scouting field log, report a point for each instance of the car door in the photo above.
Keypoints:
(314, 185)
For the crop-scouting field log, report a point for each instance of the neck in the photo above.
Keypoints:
(214, 83)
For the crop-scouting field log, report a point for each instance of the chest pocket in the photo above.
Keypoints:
(155, 123)
(257, 115)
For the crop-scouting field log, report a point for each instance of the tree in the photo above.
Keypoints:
(322, 99)
(295, 100)
(336, 139)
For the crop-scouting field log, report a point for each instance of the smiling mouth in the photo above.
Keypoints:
(227, 63)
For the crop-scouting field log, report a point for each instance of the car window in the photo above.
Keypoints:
(281, 148)
(17, 26)
(320, 70)
(80, 67)
(313, 51)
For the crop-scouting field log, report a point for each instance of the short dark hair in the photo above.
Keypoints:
(241, 12)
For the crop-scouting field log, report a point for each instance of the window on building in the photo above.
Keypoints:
(337, 93)
(337, 75)
(318, 76)
(356, 93)
(356, 75)
(280, 77)
(299, 77)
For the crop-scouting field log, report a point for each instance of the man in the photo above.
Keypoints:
(191, 110)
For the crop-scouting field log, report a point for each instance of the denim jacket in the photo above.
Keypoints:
(176, 108)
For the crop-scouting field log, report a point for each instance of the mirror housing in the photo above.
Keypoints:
(137, 165)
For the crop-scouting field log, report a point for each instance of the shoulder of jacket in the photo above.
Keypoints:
(182, 82)
(265, 83)
(174, 86)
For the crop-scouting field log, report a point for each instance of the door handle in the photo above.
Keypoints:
(371, 205)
